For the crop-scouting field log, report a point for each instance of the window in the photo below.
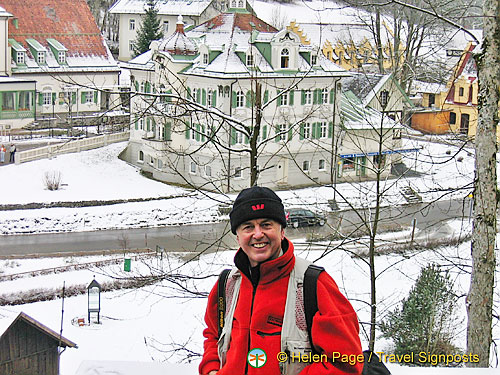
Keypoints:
(240, 99)
(284, 98)
(240, 3)
(205, 59)
(285, 58)
(141, 123)
(208, 171)
(131, 24)
(211, 98)
(324, 96)
(25, 101)
(461, 91)
(347, 164)
(192, 168)
(142, 87)
(307, 97)
(151, 160)
(141, 156)
(160, 164)
(305, 165)
(20, 57)
(8, 101)
(239, 137)
(66, 97)
(47, 98)
(323, 129)
(165, 27)
(40, 57)
(396, 134)
(307, 130)
(233, 4)
(321, 164)
(194, 133)
(131, 45)
(314, 59)
(61, 57)
(379, 161)
(283, 132)
(250, 61)
(453, 118)
(88, 97)
(432, 99)
(384, 98)
(238, 173)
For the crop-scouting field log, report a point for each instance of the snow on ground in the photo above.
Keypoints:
(147, 324)
(100, 175)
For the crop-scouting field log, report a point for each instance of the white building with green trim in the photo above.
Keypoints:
(216, 66)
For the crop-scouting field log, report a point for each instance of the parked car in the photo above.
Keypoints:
(299, 217)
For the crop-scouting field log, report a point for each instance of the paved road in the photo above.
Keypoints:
(212, 236)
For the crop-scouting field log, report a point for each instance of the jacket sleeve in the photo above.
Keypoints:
(210, 360)
(335, 332)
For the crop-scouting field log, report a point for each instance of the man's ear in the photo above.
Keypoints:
(282, 233)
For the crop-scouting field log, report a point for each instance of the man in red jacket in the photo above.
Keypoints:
(265, 261)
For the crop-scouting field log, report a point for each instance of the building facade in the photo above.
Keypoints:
(66, 56)
(209, 100)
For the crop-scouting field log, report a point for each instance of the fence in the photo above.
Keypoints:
(70, 146)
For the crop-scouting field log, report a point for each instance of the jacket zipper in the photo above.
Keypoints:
(250, 324)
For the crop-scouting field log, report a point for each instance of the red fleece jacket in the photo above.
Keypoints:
(259, 315)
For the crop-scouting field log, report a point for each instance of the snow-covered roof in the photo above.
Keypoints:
(165, 7)
(356, 115)
(427, 87)
(4, 13)
(178, 43)
(44, 25)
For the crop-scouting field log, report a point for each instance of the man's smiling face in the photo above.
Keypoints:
(260, 239)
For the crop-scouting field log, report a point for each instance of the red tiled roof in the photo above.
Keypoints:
(68, 21)
(243, 21)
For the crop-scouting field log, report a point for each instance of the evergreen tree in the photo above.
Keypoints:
(150, 29)
(426, 321)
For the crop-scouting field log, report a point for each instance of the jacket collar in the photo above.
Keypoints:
(269, 271)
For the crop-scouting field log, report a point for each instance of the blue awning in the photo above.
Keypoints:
(387, 152)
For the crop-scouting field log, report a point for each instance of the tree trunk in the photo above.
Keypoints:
(480, 297)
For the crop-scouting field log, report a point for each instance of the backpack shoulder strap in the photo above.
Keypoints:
(310, 296)
(221, 298)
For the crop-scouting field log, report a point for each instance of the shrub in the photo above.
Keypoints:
(426, 321)
(52, 180)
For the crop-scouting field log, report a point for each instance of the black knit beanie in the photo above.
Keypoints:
(256, 203)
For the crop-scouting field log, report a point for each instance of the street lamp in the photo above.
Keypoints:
(94, 300)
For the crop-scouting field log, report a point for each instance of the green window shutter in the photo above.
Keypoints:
(187, 130)
(233, 104)
(290, 97)
(332, 96)
(40, 98)
(197, 135)
(136, 123)
(148, 124)
(168, 132)
(290, 133)
(189, 93)
(248, 99)
(316, 96)
(264, 132)
(247, 140)
(54, 97)
(136, 86)
(73, 98)
(203, 138)
(83, 98)
(168, 99)
(330, 130)
(96, 95)
(204, 97)
(233, 136)
(314, 126)
(278, 102)
(198, 96)
(266, 96)
(147, 88)
(303, 97)
(276, 132)
(301, 131)
(154, 125)
(214, 98)
(61, 98)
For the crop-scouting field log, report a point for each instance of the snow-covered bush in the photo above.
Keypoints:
(52, 180)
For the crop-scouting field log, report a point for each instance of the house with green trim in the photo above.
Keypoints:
(190, 86)
(58, 45)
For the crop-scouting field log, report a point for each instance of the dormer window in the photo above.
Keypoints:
(20, 57)
(61, 57)
(285, 58)
(205, 59)
(314, 59)
(250, 60)
(240, 3)
(40, 57)
(233, 4)
(131, 24)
